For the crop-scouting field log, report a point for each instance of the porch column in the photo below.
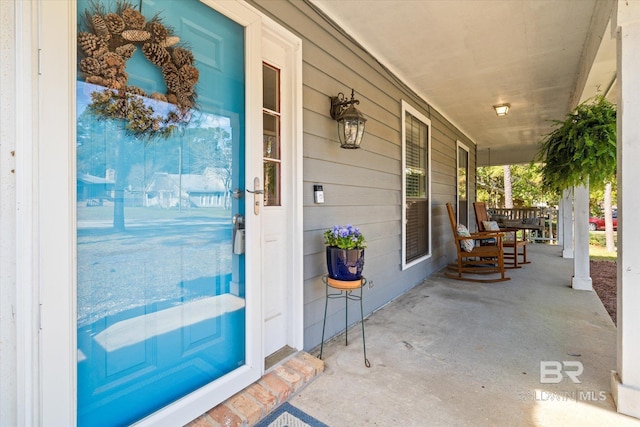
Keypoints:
(581, 277)
(567, 224)
(625, 382)
(560, 226)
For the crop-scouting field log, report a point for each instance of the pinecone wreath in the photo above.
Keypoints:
(108, 40)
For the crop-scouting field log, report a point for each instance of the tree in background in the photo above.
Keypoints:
(582, 151)
(608, 218)
(490, 185)
(601, 204)
(508, 193)
(526, 186)
(597, 196)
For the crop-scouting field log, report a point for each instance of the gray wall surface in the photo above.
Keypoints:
(362, 187)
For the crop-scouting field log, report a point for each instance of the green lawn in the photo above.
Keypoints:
(153, 213)
(597, 246)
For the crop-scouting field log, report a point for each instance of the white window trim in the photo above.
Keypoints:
(459, 145)
(407, 108)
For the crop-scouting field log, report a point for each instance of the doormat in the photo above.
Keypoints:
(287, 415)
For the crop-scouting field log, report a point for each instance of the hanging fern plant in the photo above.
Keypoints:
(582, 148)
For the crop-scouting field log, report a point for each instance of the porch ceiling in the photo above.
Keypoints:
(464, 56)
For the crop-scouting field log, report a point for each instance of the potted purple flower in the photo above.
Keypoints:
(345, 252)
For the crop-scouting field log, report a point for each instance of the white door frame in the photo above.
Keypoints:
(53, 242)
(291, 87)
(23, 132)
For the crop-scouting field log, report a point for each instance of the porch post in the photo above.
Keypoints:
(581, 278)
(625, 382)
(560, 226)
(567, 223)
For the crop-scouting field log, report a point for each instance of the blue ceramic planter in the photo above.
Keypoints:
(345, 264)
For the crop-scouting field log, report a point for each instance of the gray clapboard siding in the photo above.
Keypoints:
(380, 138)
(362, 160)
(321, 218)
(362, 187)
(347, 174)
(384, 229)
(343, 195)
(321, 149)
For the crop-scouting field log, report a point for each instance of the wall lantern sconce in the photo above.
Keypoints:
(502, 109)
(350, 120)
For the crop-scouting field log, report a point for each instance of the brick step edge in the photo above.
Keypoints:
(255, 402)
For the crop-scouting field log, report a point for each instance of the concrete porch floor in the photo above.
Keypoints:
(453, 353)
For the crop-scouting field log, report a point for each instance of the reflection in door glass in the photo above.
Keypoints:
(160, 294)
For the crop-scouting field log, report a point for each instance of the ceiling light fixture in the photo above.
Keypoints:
(501, 109)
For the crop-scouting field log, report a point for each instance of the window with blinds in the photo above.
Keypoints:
(416, 186)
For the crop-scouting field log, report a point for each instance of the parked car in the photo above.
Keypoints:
(598, 223)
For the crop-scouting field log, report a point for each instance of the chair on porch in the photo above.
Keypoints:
(510, 241)
(475, 259)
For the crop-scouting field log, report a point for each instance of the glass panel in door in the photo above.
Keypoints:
(463, 186)
(271, 117)
(160, 146)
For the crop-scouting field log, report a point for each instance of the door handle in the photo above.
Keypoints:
(257, 191)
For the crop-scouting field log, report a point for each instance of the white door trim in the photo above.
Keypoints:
(18, 95)
(54, 193)
(292, 112)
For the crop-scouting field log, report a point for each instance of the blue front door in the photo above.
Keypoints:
(160, 146)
